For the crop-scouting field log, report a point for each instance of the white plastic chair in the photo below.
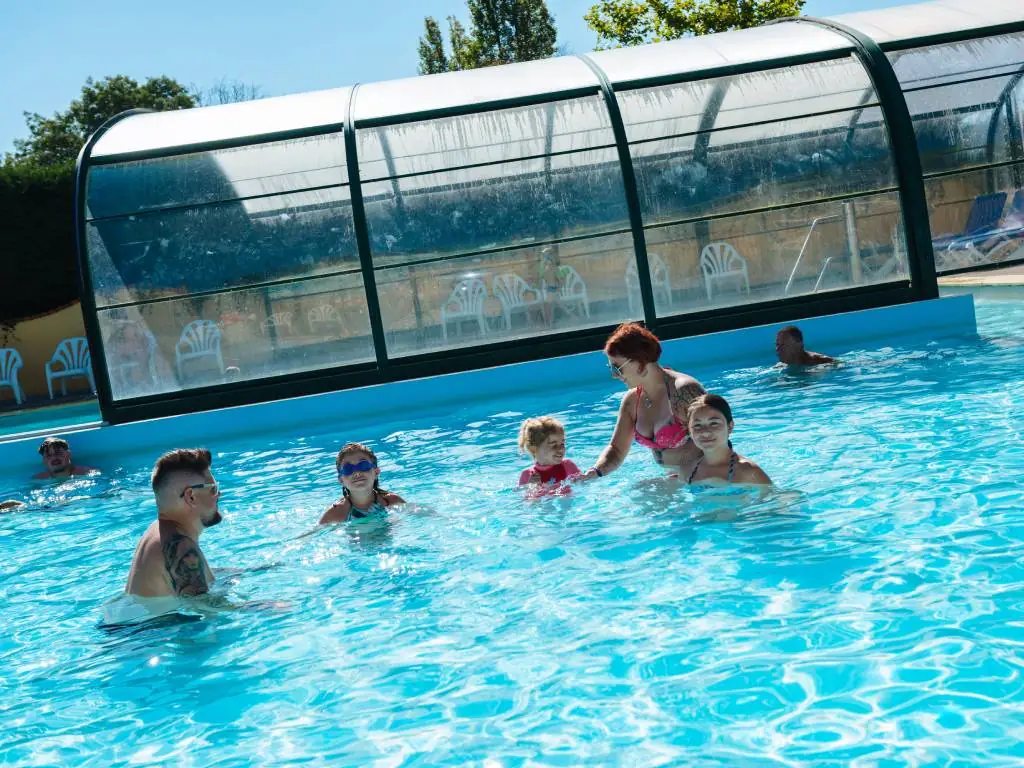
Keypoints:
(200, 338)
(277, 320)
(72, 355)
(659, 280)
(511, 290)
(322, 315)
(574, 290)
(466, 302)
(720, 261)
(10, 364)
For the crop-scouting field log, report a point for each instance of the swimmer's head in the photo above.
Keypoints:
(789, 344)
(709, 419)
(357, 470)
(56, 455)
(630, 349)
(184, 487)
(544, 439)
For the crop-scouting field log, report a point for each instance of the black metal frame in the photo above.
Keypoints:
(636, 220)
(384, 369)
(903, 145)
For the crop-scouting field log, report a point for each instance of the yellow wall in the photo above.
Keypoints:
(36, 339)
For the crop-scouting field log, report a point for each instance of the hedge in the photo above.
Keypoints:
(38, 270)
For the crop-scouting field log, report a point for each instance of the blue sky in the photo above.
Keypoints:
(51, 47)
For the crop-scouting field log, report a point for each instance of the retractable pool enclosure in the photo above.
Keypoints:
(393, 230)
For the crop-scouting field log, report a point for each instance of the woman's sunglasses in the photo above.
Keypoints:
(363, 466)
(616, 369)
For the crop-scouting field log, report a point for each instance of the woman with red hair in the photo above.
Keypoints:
(654, 411)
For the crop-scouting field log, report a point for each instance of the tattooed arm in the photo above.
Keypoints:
(185, 565)
(684, 390)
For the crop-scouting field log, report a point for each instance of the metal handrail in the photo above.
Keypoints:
(821, 275)
(803, 249)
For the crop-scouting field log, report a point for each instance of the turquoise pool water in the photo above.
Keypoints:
(869, 612)
(53, 418)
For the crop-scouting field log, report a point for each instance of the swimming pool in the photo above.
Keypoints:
(869, 609)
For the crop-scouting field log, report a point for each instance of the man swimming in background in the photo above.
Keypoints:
(56, 455)
(168, 561)
(789, 346)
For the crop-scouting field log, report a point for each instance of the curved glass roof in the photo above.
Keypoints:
(906, 24)
(156, 131)
(435, 95)
(692, 55)
(443, 95)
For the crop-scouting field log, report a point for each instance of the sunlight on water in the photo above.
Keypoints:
(868, 610)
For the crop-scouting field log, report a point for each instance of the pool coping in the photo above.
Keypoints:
(835, 334)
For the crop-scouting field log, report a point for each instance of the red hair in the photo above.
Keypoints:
(633, 342)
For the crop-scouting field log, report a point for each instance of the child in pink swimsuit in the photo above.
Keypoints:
(544, 439)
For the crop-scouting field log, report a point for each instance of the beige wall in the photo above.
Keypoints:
(36, 339)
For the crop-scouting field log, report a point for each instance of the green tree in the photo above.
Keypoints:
(57, 140)
(633, 22)
(500, 32)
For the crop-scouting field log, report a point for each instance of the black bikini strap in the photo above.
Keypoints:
(694, 473)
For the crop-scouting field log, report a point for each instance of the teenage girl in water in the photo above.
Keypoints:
(710, 422)
(654, 411)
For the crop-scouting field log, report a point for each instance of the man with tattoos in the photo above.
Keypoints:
(654, 411)
(168, 561)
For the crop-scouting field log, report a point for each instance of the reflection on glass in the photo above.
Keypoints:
(522, 293)
(172, 253)
(485, 208)
(776, 254)
(237, 173)
(958, 95)
(240, 335)
(977, 217)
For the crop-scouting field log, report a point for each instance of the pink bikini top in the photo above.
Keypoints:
(672, 435)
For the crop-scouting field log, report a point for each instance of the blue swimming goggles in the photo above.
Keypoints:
(363, 466)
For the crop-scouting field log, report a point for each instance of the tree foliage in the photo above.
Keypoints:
(500, 32)
(634, 22)
(56, 140)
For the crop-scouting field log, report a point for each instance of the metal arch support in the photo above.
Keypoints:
(708, 118)
(362, 232)
(87, 296)
(1005, 104)
(636, 221)
(903, 145)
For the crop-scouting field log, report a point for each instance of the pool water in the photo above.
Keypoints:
(868, 612)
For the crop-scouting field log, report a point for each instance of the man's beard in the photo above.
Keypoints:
(216, 518)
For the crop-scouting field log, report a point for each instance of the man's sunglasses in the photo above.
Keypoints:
(363, 466)
(616, 369)
(197, 486)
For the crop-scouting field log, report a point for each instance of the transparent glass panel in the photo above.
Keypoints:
(957, 94)
(776, 254)
(524, 293)
(177, 252)
(437, 215)
(779, 163)
(906, 22)
(693, 54)
(222, 175)
(977, 217)
(455, 90)
(487, 137)
(242, 335)
(756, 97)
(163, 130)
